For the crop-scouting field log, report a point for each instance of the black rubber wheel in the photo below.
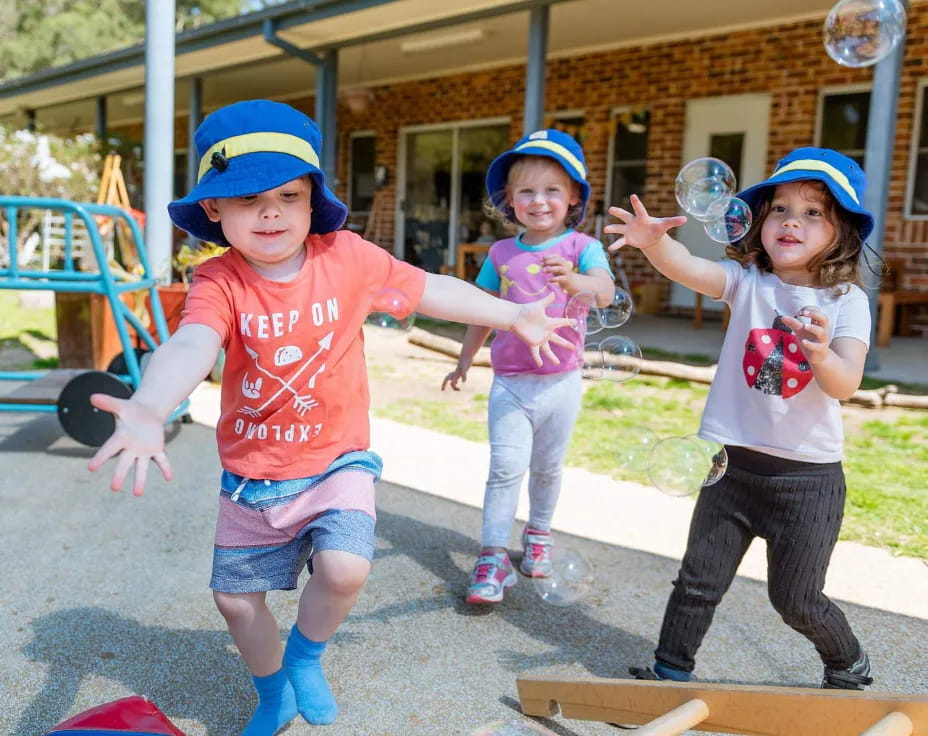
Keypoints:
(119, 367)
(79, 419)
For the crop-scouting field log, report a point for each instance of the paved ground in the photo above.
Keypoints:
(105, 595)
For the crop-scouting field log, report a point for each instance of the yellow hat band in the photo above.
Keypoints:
(814, 165)
(560, 151)
(239, 145)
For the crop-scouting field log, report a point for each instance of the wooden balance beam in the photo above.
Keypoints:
(670, 708)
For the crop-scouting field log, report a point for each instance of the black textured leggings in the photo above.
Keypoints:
(797, 508)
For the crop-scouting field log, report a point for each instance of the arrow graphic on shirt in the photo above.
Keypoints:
(302, 403)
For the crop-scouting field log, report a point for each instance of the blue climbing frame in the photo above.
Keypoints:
(69, 279)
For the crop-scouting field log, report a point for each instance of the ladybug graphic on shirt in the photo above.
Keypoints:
(773, 361)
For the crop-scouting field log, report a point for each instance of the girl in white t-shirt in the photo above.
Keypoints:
(795, 346)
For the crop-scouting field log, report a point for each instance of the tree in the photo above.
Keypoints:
(36, 36)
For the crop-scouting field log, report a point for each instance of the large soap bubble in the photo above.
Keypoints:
(733, 225)
(617, 313)
(862, 32)
(570, 580)
(704, 187)
(390, 308)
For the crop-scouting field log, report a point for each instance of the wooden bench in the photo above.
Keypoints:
(893, 299)
(464, 250)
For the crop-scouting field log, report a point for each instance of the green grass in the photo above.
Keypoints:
(886, 463)
(26, 327)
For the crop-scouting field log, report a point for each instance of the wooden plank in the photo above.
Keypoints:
(44, 390)
(738, 709)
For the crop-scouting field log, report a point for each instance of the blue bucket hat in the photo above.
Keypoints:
(553, 144)
(844, 178)
(247, 148)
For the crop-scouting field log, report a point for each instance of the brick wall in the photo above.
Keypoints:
(787, 61)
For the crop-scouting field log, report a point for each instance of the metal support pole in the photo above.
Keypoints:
(533, 117)
(326, 111)
(881, 134)
(194, 119)
(101, 118)
(159, 134)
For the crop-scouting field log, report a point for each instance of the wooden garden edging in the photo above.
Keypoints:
(872, 398)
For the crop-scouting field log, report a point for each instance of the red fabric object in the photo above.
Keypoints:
(132, 715)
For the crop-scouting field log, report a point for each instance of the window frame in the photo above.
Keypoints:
(349, 193)
(841, 89)
(921, 98)
(610, 150)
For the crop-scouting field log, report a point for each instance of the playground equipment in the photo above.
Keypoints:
(670, 708)
(67, 392)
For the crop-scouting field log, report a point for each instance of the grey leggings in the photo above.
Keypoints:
(531, 419)
(797, 507)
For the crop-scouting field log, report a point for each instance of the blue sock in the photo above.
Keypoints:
(666, 672)
(313, 697)
(276, 705)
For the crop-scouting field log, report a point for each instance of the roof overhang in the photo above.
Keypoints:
(380, 40)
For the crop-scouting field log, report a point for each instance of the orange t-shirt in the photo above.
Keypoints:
(294, 386)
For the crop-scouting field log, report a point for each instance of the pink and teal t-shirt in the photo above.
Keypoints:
(294, 386)
(514, 271)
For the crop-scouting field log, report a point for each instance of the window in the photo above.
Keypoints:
(567, 122)
(918, 175)
(361, 180)
(180, 174)
(843, 123)
(628, 173)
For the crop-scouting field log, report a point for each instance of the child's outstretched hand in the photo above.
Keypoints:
(812, 335)
(537, 330)
(139, 438)
(638, 228)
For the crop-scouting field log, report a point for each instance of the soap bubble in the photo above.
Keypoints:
(704, 188)
(570, 579)
(582, 309)
(591, 363)
(387, 309)
(734, 225)
(617, 313)
(859, 33)
(632, 447)
(680, 466)
(717, 459)
(621, 358)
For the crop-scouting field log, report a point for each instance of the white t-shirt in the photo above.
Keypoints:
(764, 395)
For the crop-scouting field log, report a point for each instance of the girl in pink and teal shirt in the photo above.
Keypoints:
(539, 185)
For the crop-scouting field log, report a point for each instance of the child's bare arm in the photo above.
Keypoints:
(174, 370)
(669, 256)
(450, 298)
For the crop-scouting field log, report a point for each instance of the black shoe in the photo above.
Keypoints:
(660, 672)
(855, 677)
(643, 673)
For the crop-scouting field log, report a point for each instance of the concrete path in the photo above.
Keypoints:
(105, 595)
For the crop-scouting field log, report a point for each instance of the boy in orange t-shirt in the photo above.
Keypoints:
(287, 302)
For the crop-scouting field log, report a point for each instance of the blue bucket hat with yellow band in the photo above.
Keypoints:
(550, 143)
(842, 175)
(247, 148)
